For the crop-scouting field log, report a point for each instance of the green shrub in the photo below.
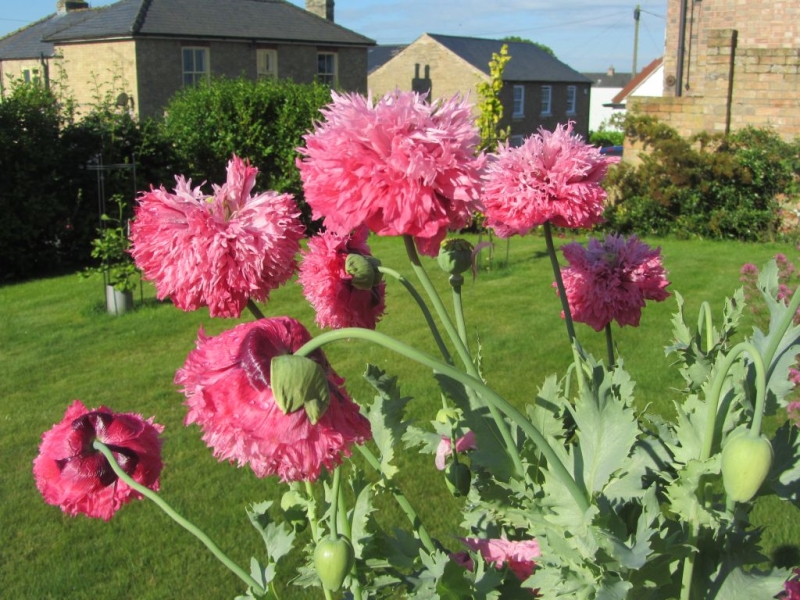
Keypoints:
(711, 186)
(603, 138)
(262, 121)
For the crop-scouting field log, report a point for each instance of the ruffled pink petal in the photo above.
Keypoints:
(328, 287)
(72, 475)
(552, 177)
(220, 251)
(610, 280)
(401, 166)
(239, 417)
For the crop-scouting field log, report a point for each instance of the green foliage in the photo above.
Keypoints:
(606, 137)
(262, 121)
(489, 104)
(516, 38)
(714, 186)
(110, 248)
(37, 216)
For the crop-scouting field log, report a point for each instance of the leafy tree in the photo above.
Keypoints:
(489, 104)
(516, 38)
(262, 121)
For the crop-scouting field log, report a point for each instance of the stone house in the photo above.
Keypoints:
(728, 65)
(146, 50)
(538, 89)
(605, 86)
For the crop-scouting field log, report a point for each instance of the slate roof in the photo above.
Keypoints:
(528, 61)
(260, 20)
(377, 55)
(29, 42)
(604, 80)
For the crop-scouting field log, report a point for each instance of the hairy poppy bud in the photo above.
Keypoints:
(299, 382)
(364, 271)
(455, 256)
(746, 461)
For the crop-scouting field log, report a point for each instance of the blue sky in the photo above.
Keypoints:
(588, 35)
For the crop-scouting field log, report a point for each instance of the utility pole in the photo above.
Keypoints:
(636, 14)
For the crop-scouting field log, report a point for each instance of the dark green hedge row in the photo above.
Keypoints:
(712, 186)
(51, 191)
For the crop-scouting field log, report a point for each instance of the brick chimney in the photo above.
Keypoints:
(321, 8)
(65, 6)
(610, 71)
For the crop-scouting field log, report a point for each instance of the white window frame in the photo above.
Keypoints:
(572, 99)
(190, 73)
(31, 75)
(266, 63)
(547, 100)
(519, 101)
(328, 74)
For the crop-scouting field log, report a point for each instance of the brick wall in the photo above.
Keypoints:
(741, 67)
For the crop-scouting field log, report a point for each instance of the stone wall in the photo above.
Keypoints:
(741, 66)
(97, 71)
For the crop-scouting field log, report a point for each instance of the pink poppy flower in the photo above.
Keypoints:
(226, 380)
(611, 279)
(517, 556)
(553, 176)
(401, 166)
(445, 448)
(74, 476)
(791, 589)
(219, 251)
(330, 288)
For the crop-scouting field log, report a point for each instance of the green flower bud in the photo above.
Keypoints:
(455, 256)
(746, 461)
(364, 270)
(333, 559)
(299, 382)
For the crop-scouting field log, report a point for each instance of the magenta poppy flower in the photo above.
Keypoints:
(791, 588)
(611, 280)
(553, 176)
(74, 476)
(401, 166)
(330, 288)
(226, 380)
(217, 251)
(445, 448)
(517, 556)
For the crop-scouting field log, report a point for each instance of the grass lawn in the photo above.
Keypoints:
(57, 344)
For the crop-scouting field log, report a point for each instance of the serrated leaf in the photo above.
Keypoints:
(278, 538)
(385, 415)
(607, 430)
(784, 476)
(751, 585)
(360, 519)
(682, 492)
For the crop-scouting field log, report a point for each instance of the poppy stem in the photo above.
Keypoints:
(461, 348)
(492, 398)
(253, 307)
(187, 525)
(424, 308)
(609, 346)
